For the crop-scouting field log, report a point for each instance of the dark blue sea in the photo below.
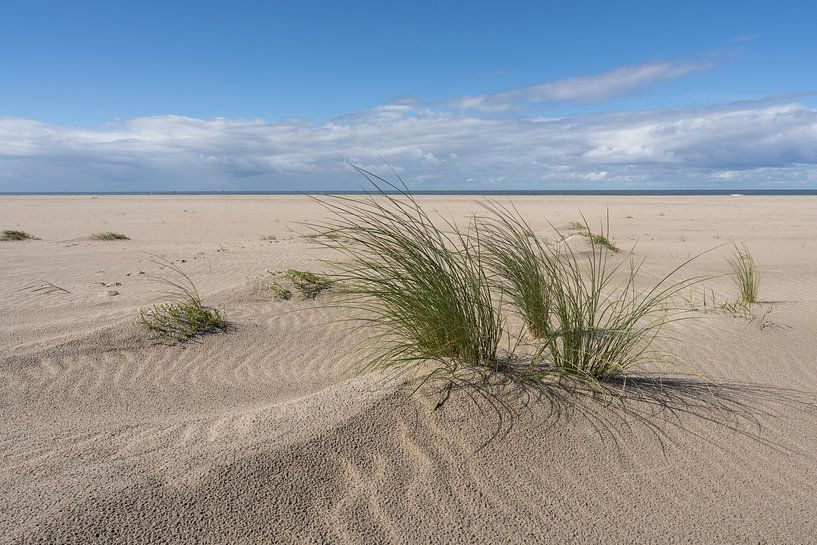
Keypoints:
(503, 192)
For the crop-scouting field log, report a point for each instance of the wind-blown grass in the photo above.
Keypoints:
(594, 322)
(745, 274)
(184, 315)
(109, 235)
(420, 293)
(10, 234)
(517, 259)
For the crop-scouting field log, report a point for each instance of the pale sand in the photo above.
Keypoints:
(264, 435)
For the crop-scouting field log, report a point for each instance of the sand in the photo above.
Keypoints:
(265, 434)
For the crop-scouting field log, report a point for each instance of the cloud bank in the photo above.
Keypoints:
(748, 145)
(593, 88)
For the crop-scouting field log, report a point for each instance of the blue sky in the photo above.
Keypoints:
(99, 96)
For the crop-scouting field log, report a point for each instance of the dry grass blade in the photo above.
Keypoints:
(45, 288)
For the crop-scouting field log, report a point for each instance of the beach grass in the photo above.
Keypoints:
(11, 234)
(270, 284)
(595, 323)
(600, 239)
(516, 259)
(308, 284)
(183, 316)
(745, 274)
(109, 235)
(420, 293)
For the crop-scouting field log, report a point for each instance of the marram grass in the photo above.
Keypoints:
(183, 316)
(308, 284)
(420, 293)
(745, 274)
(516, 259)
(592, 321)
(109, 235)
(11, 234)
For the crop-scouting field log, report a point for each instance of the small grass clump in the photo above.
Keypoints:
(600, 239)
(597, 239)
(594, 322)
(270, 284)
(183, 316)
(10, 234)
(310, 285)
(109, 235)
(421, 293)
(516, 259)
(745, 274)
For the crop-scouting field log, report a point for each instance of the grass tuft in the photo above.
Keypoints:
(11, 234)
(745, 274)
(184, 316)
(516, 260)
(600, 239)
(420, 293)
(109, 235)
(310, 285)
(270, 284)
(593, 322)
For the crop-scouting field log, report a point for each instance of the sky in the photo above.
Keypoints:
(245, 96)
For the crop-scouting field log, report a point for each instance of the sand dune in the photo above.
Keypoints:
(265, 434)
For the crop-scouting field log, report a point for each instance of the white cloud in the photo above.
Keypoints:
(593, 88)
(760, 143)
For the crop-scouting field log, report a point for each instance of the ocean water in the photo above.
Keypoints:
(503, 192)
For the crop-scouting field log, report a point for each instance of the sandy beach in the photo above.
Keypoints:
(266, 433)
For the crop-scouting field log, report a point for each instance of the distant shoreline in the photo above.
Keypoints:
(466, 192)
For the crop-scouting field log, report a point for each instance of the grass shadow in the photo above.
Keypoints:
(660, 406)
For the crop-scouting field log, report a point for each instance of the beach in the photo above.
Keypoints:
(267, 433)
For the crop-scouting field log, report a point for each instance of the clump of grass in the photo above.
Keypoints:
(109, 235)
(310, 285)
(10, 234)
(516, 259)
(271, 285)
(184, 315)
(745, 274)
(597, 239)
(420, 293)
(600, 239)
(594, 323)
(269, 238)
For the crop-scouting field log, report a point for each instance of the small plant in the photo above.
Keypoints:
(183, 316)
(110, 235)
(310, 285)
(745, 274)
(516, 259)
(269, 238)
(597, 239)
(10, 234)
(600, 239)
(594, 322)
(271, 285)
(422, 292)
